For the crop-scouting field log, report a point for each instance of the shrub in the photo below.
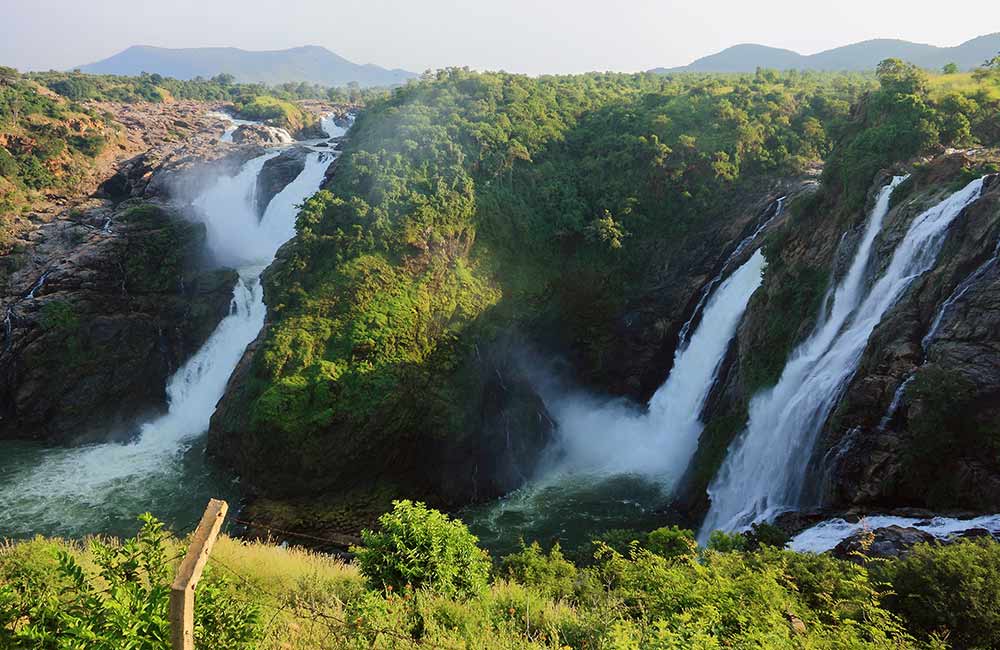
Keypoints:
(123, 604)
(672, 542)
(552, 573)
(765, 534)
(420, 547)
(724, 542)
(953, 589)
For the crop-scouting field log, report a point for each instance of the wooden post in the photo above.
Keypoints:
(189, 573)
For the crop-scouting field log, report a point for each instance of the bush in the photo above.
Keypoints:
(724, 542)
(953, 589)
(765, 534)
(419, 547)
(672, 542)
(123, 604)
(551, 574)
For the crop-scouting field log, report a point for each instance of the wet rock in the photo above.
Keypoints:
(99, 319)
(276, 174)
(261, 134)
(888, 542)
(870, 455)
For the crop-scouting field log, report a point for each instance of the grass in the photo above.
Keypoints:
(963, 83)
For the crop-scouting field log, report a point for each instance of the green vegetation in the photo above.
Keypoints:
(47, 145)
(55, 594)
(416, 547)
(157, 88)
(111, 596)
(274, 111)
(467, 204)
(912, 114)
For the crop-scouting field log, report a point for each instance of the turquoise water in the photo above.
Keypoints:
(570, 509)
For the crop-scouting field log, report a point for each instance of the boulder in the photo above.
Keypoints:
(276, 174)
(261, 134)
(888, 542)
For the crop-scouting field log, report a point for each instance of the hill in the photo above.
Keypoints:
(855, 57)
(311, 63)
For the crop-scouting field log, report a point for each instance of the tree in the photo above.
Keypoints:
(224, 79)
(950, 68)
(902, 78)
(8, 75)
(417, 546)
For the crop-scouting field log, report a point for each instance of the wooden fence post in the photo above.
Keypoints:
(189, 573)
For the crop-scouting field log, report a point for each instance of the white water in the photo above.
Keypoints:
(234, 124)
(329, 125)
(765, 470)
(609, 439)
(77, 490)
(826, 535)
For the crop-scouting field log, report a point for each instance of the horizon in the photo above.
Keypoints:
(558, 38)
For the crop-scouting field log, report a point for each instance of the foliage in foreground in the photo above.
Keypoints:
(662, 593)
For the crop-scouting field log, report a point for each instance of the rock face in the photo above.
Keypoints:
(102, 301)
(276, 174)
(98, 317)
(937, 448)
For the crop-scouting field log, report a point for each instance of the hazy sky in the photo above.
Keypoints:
(531, 36)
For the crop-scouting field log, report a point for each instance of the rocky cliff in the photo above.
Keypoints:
(104, 297)
(936, 447)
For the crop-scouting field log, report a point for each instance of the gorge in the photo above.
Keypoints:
(664, 301)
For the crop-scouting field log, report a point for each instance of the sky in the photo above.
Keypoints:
(527, 36)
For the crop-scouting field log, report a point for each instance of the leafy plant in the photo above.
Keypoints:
(122, 604)
(418, 547)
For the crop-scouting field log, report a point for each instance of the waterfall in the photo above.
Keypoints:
(614, 463)
(613, 439)
(77, 490)
(233, 122)
(775, 210)
(329, 125)
(765, 469)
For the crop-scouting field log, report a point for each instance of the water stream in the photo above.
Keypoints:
(765, 470)
(103, 487)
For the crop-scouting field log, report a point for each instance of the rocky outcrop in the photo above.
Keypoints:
(933, 449)
(276, 174)
(104, 308)
(888, 542)
(102, 299)
(937, 356)
(261, 135)
(175, 173)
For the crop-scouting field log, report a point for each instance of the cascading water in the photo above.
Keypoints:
(234, 123)
(102, 487)
(765, 470)
(659, 443)
(615, 464)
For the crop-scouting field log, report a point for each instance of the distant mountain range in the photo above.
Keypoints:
(311, 63)
(858, 56)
